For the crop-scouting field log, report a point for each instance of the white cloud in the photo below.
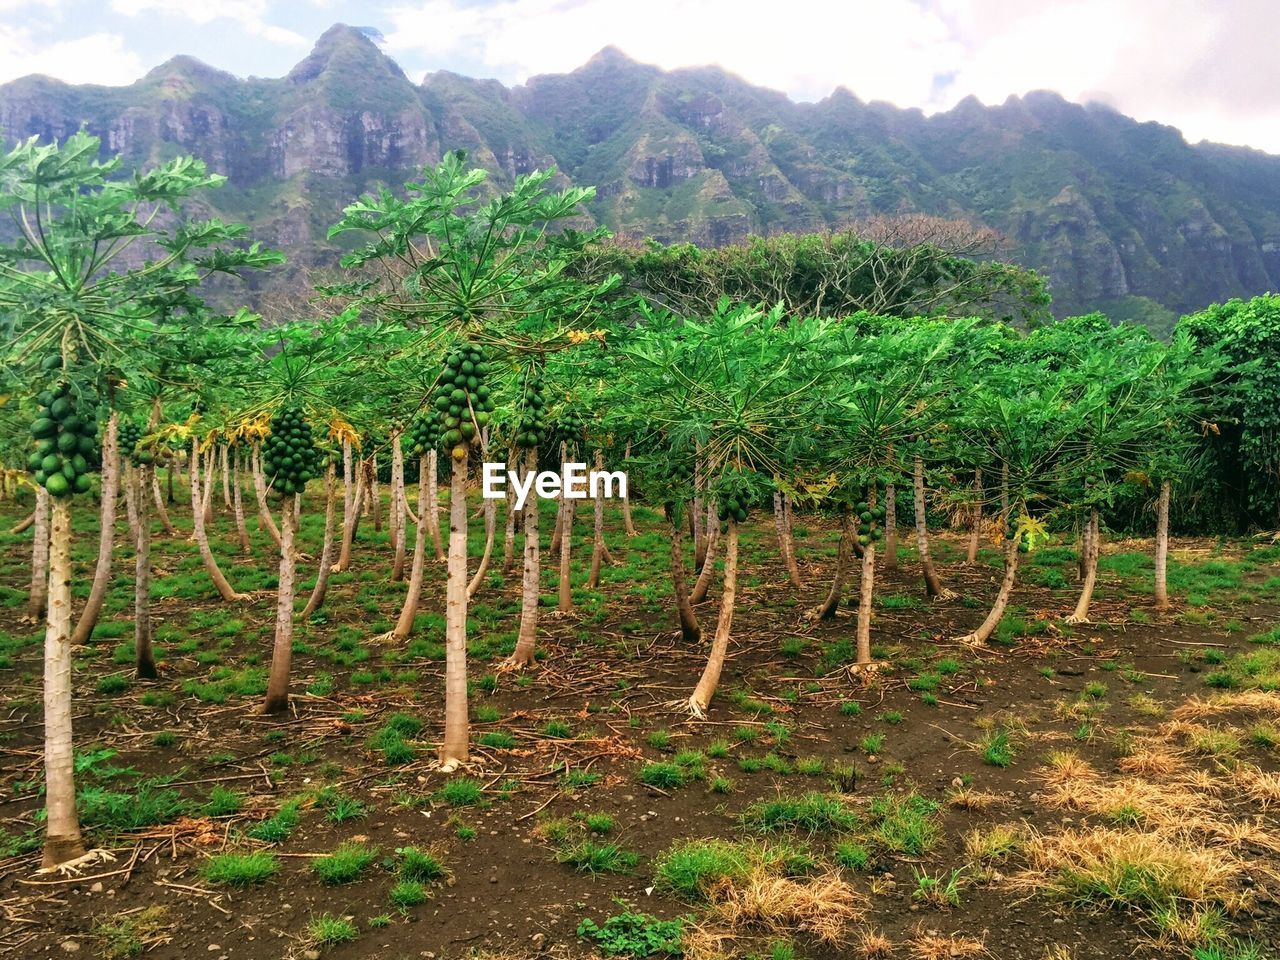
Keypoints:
(95, 58)
(806, 47)
(250, 14)
(1154, 59)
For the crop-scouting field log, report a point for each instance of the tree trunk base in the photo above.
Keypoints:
(67, 854)
(517, 663)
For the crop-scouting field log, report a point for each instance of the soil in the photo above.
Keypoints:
(616, 673)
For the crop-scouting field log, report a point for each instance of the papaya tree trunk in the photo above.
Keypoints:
(565, 602)
(433, 503)
(975, 518)
(406, 506)
(224, 459)
(988, 626)
(350, 523)
(174, 467)
(207, 489)
(627, 523)
(37, 600)
(348, 484)
(202, 537)
(144, 659)
(778, 522)
(277, 700)
(531, 584)
(932, 585)
(509, 533)
(413, 596)
(865, 596)
(397, 509)
(490, 527)
(597, 535)
(788, 532)
(129, 484)
(1090, 549)
(106, 533)
(703, 583)
(237, 500)
(161, 510)
(557, 528)
(375, 496)
(326, 551)
(22, 526)
(890, 527)
(843, 552)
(558, 531)
(455, 744)
(700, 546)
(62, 827)
(265, 520)
(706, 688)
(1162, 546)
(689, 629)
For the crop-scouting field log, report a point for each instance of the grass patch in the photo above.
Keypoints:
(327, 930)
(905, 824)
(591, 856)
(343, 865)
(812, 812)
(461, 792)
(233, 869)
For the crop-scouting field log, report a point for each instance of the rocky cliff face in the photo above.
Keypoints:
(1120, 215)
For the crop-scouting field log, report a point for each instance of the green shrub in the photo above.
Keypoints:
(635, 935)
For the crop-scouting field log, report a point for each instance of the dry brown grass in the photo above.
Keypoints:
(1251, 702)
(1131, 800)
(966, 798)
(934, 946)
(1151, 758)
(1064, 766)
(822, 906)
(1245, 833)
(1130, 868)
(993, 843)
(1260, 788)
(872, 945)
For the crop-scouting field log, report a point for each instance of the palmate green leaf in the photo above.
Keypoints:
(233, 261)
(63, 283)
(52, 169)
(174, 180)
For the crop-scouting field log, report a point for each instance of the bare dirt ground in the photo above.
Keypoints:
(1101, 790)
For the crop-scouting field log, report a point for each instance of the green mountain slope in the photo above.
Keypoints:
(1119, 214)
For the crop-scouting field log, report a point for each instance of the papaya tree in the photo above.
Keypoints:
(1019, 421)
(1188, 397)
(882, 390)
(71, 300)
(471, 272)
(723, 385)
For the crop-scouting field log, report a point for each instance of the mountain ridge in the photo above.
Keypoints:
(1121, 215)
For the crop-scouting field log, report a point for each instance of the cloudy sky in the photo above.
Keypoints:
(1209, 68)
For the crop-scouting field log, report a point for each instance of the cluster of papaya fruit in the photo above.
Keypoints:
(66, 437)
